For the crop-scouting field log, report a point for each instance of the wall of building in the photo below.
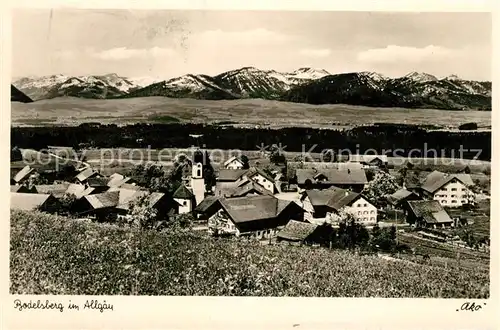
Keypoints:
(363, 211)
(263, 182)
(454, 194)
(185, 205)
(234, 165)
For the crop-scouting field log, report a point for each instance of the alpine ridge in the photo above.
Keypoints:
(303, 85)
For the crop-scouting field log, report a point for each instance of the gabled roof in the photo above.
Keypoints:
(97, 182)
(255, 170)
(429, 211)
(227, 162)
(183, 193)
(435, 180)
(252, 208)
(400, 195)
(27, 201)
(334, 198)
(333, 176)
(103, 200)
(23, 189)
(230, 175)
(206, 204)
(127, 196)
(23, 173)
(57, 190)
(85, 174)
(250, 187)
(297, 230)
(130, 186)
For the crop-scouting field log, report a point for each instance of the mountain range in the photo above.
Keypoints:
(304, 85)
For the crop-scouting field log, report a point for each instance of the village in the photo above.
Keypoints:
(296, 202)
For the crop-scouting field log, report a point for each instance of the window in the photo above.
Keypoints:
(198, 173)
(453, 196)
(453, 189)
(359, 213)
(443, 201)
(372, 218)
(365, 205)
(462, 189)
(372, 212)
(184, 203)
(454, 201)
(464, 202)
(365, 212)
(444, 189)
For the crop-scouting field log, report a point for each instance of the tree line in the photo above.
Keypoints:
(391, 139)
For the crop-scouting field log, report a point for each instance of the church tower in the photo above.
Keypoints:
(198, 183)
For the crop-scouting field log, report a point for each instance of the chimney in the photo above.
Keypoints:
(348, 171)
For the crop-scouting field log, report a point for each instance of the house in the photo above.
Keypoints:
(30, 202)
(325, 178)
(23, 189)
(98, 183)
(103, 206)
(228, 180)
(400, 197)
(257, 216)
(23, 175)
(116, 180)
(448, 189)
(240, 188)
(370, 160)
(79, 190)
(428, 214)
(298, 232)
(185, 198)
(234, 163)
(86, 174)
(208, 207)
(57, 190)
(325, 205)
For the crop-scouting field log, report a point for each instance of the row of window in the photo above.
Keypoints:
(361, 205)
(366, 212)
(452, 196)
(367, 219)
(453, 201)
(453, 189)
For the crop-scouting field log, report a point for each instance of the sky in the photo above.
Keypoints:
(170, 43)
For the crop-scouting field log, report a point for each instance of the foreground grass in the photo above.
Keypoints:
(55, 255)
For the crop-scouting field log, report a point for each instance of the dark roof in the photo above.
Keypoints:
(57, 190)
(297, 230)
(27, 201)
(334, 198)
(333, 176)
(256, 170)
(206, 204)
(23, 189)
(400, 195)
(435, 180)
(97, 182)
(251, 208)
(429, 211)
(183, 193)
(103, 200)
(233, 159)
(230, 175)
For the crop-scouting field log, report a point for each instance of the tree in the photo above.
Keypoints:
(245, 161)
(351, 233)
(142, 214)
(383, 184)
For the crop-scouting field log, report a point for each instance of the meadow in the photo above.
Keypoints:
(248, 112)
(56, 255)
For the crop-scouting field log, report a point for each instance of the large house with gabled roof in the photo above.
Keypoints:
(452, 190)
(242, 182)
(346, 178)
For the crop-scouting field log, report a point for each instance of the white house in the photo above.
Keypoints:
(185, 198)
(234, 163)
(229, 179)
(451, 190)
(325, 206)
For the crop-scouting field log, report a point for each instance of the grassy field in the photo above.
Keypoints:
(55, 255)
(71, 111)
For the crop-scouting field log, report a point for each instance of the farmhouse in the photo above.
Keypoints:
(448, 189)
(229, 181)
(325, 205)
(257, 216)
(369, 160)
(234, 163)
(400, 197)
(30, 202)
(428, 214)
(326, 178)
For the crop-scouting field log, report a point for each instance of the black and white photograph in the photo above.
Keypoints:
(256, 153)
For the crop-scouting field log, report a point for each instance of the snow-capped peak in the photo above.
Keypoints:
(420, 77)
(144, 81)
(308, 73)
(452, 77)
(374, 75)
